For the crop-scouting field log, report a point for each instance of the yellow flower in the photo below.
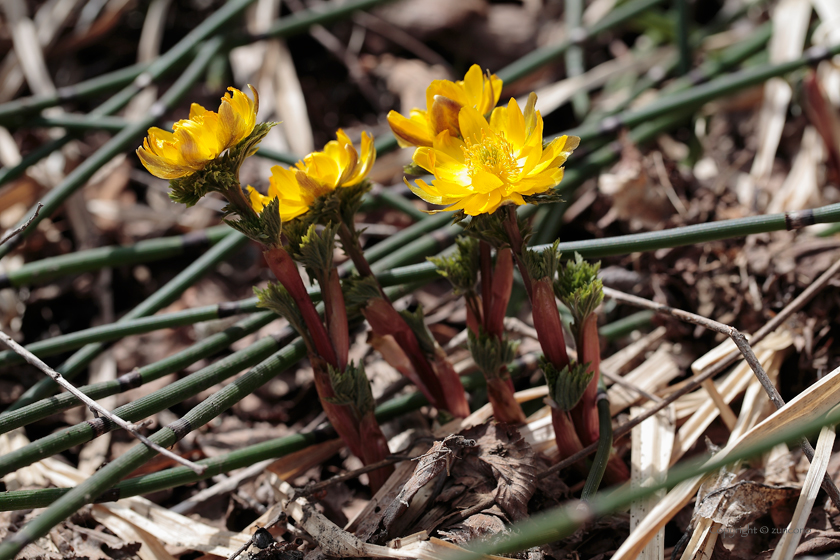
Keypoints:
(496, 163)
(200, 139)
(319, 173)
(443, 101)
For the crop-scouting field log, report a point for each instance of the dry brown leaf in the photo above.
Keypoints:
(743, 502)
(510, 460)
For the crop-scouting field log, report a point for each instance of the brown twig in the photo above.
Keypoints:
(744, 347)
(9, 234)
(317, 487)
(708, 373)
(95, 407)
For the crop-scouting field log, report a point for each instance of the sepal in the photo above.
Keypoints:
(351, 387)
(550, 196)
(490, 353)
(339, 205)
(416, 320)
(579, 287)
(414, 169)
(491, 227)
(265, 227)
(461, 267)
(278, 299)
(566, 386)
(542, 264)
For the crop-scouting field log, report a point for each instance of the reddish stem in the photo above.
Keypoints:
(350, 243)
(585, 413)
(284, 268)
(486, 280)
(564, 433)
(505, 407)
(336, 314)
(548, 325)
(397, 359)
(501, 288)
(341, 416)
(375, 449)
(473, 313)
(511, 226)
(385, 320)
(450, 383)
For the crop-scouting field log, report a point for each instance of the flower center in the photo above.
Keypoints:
(493, 154)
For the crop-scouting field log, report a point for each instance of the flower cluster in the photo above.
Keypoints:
(481, 157)
(485, 161)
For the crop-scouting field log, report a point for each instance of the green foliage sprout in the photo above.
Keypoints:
(542, 264)
(352, 387)
(491, 354)
(461, 267)
(566, 386)
(579, 287)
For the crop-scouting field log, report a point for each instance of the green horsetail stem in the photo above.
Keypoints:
(715, 65)
(116, 331)
(42, 271)
(205, 348)
(698, 95)
(685, 235)
(127, 137)
(12, 111)
(272, 449)
(149, 404)
(145, 406)
(164, 296)
(138, 455)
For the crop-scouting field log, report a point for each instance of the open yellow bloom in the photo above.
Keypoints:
(200, 139)
(496, 163)
(319, 173)
(443, 101)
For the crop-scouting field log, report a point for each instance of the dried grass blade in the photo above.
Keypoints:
(150, 547)
(652, 441)
(813, 480)
(808, 406)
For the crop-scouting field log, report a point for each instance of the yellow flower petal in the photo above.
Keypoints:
(415, 131)
(443, 100)
(472, 124)
(238, 115)
(497, 163)
(319, 173)
(199, 139)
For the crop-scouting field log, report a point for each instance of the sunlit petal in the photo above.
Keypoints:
(496, 163)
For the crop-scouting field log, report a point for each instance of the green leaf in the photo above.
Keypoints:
(542, 264)
(491, 354)
(416, 320)
(566, 386)
(278, 299)
(460, 268)
(352, 387)
(579, 287)
(358, 291)
(312, 248)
